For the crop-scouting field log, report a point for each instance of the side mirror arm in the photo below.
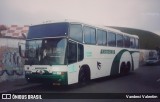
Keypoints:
(20, 50)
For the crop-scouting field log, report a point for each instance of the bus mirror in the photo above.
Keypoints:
(20, 50)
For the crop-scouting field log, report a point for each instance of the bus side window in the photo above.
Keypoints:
(76, 32)
(80, 52)
(111, 39)
(126, 42)
(119, 39)
(72, 52)
(101, 37)
(89, 35)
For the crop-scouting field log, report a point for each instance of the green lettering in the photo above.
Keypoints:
(103, 51)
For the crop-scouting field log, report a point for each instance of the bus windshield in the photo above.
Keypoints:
(46, 51)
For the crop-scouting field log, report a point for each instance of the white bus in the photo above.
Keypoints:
(65, 53)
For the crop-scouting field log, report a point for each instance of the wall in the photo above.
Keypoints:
(11, 64)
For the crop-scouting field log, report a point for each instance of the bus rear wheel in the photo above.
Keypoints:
(125, 68)
(128, 67)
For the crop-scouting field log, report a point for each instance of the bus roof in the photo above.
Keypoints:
(92, 25)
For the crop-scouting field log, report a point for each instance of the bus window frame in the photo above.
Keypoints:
(77, 44)
(108, 38)
(84, 35)
(97, 37)
(125, 44)
(119, 34)
(69, 35)
(133, 46)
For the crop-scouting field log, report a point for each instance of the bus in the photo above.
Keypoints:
(64, 53)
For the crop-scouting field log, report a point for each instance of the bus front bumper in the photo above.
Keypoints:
(55, 79)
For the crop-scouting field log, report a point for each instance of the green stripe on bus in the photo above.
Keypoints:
(116, 62)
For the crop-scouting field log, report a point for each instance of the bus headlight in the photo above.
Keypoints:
(58, 73)
(28, 72)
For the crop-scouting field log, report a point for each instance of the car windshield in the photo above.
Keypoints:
(46, 51)
(153, 58)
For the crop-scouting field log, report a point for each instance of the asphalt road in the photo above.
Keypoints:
(146, 79)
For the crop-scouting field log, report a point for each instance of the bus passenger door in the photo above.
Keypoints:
(72, 62)
(74, 55)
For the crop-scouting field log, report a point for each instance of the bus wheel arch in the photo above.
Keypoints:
(84, 75)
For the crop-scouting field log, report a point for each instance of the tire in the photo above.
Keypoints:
(123, 69)
(84, 78)
(128, 67)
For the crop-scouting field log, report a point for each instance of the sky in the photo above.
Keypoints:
(140, 14)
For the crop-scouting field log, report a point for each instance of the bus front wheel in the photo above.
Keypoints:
(84, 77)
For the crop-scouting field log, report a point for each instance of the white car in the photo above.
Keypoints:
(152, 61)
